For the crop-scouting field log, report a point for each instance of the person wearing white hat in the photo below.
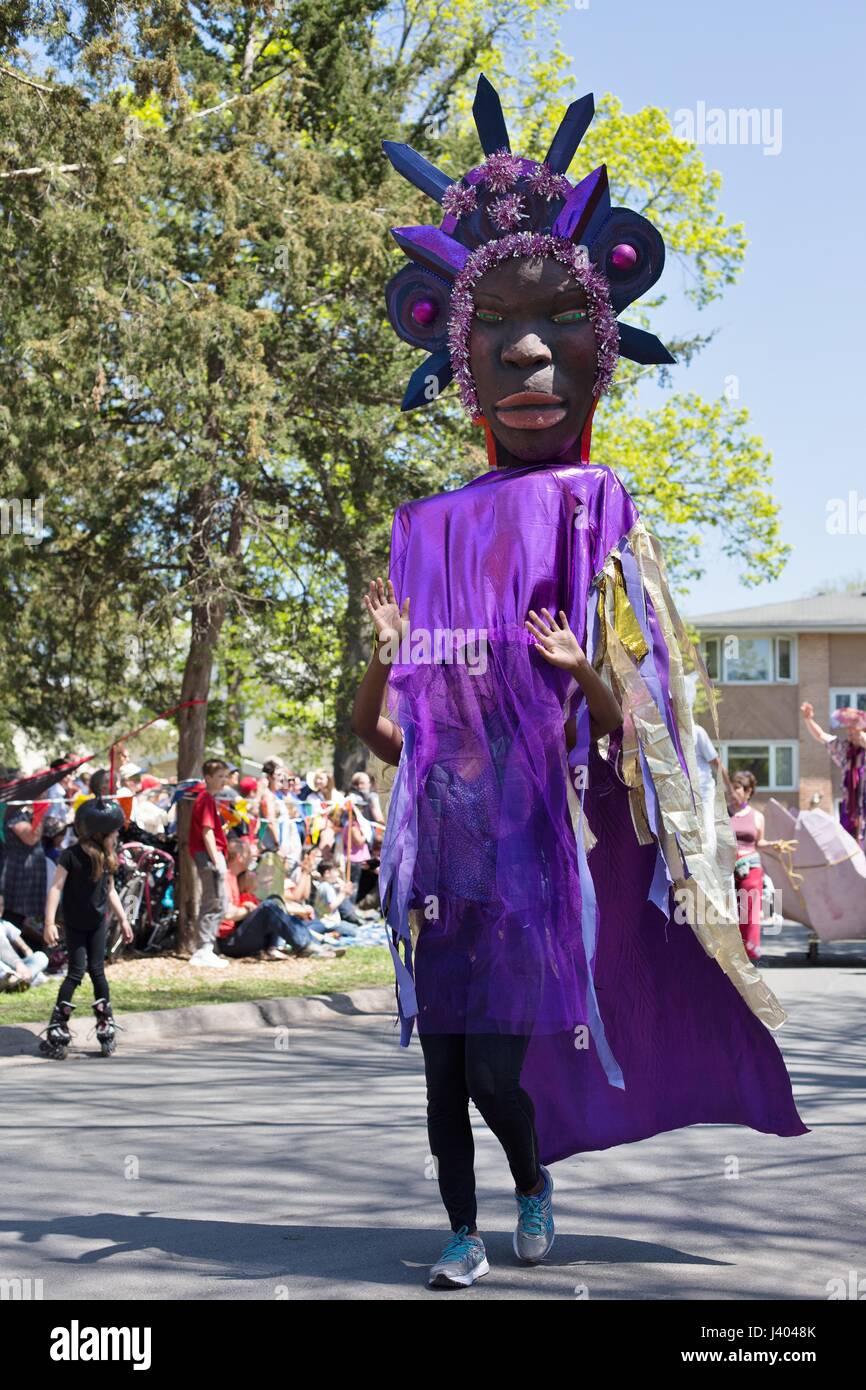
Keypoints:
(708, 762)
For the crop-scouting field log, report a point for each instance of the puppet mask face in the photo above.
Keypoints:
(531, 336)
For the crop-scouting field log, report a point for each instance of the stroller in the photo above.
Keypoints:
(145, 885)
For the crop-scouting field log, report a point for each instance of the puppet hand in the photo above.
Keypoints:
(556, 641)
(389, 620)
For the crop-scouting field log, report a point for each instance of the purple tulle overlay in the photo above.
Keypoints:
(504, 915)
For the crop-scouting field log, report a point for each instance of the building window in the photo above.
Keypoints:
(774, 763)
(710, 653)
(852, 698)
(784, 658)
(737, 659)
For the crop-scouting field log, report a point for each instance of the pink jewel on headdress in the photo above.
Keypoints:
(424, 311)
(546, 184)
(506, 212)
(458, 199)
(500, 171)
(623, 256)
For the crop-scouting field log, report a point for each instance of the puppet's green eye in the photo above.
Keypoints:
(488, 316)
(570, 316)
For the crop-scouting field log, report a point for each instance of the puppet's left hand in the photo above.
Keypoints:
(556, 641)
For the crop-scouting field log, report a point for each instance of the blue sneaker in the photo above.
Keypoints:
(533, 1236)
(462, 1262)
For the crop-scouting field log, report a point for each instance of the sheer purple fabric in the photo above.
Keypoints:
(634, 1029)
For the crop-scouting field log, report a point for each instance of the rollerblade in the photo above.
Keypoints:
(57, 1035)
(105, 1026)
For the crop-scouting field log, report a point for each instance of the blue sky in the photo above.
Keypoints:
(792, 328)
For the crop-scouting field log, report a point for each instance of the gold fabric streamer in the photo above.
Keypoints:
(707, 896)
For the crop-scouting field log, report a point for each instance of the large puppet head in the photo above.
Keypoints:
(516, 293)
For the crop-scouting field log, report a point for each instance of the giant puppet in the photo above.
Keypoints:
(536, 881)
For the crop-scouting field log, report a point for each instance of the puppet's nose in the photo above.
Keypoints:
(528, 351)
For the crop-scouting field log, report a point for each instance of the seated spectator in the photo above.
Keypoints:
(297, 892)
(250, 927)
(334, 897)
(26, 966)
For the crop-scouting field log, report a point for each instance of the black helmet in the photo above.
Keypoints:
(96, 816)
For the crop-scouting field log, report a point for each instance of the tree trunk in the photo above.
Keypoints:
(234, 715)
(356, 641)
(207, 615)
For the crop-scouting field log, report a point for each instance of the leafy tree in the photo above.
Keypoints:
(197, 374)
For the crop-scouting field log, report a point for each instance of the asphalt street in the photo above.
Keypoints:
(294, 1163)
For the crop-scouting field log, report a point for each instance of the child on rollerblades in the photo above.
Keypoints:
(84, 885)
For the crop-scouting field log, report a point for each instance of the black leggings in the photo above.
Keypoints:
(483, 1067)
(86, 952)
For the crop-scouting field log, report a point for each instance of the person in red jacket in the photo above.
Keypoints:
(207, 846)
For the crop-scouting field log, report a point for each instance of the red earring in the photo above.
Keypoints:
(490, 441)
(586, 434)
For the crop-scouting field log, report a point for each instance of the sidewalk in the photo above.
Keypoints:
(19, 1040)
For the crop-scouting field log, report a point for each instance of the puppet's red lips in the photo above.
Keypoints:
(531, 410)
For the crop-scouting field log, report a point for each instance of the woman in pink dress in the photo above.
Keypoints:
(748, 827)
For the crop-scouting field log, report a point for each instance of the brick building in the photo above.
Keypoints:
(765, 662)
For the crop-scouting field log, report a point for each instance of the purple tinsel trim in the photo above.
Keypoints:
(500, 171)
(459, 199)
(529, 244)
(546, 184)
(506, 212)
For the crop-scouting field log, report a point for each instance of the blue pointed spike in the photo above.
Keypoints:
(639, 346)
(434, 371)
(489, 120)
(418, 170)
(432, 247)
(572, 128)
(587, 200)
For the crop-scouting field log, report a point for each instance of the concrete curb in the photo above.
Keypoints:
(17, 1039)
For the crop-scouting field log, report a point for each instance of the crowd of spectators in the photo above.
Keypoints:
(287, 865)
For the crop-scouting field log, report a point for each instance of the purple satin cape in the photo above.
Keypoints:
(633, 1028)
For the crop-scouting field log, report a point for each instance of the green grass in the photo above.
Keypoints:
(362, 966)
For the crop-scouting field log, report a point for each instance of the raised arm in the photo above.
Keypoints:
(814, 728)
(381, 735)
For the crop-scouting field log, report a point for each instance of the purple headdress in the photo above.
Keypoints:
(509, 206)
